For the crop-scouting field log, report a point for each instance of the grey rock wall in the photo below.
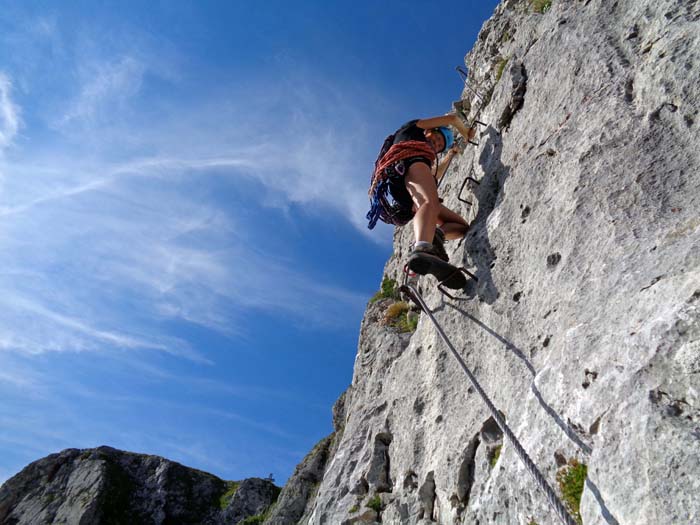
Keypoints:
(584, 326)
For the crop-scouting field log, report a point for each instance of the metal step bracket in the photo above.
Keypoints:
(468, 178)
(441, 288)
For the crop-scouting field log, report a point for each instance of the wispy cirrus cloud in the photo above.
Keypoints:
(42, 329)
(105, 90)
(138, 228)
(138, 223)
(139, 241)
(9, 113)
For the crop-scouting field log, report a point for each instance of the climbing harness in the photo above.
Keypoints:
(412, 293)
(381, 207)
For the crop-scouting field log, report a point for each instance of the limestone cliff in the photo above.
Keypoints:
(105, 486)
(584, 326)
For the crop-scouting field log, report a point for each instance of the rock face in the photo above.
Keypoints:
(252, 498)
(106, 486)
(584, 326)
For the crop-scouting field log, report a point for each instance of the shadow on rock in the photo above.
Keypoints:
(570, 432)
(604, 510)
(478, 250)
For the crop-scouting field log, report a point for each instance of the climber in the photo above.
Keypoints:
(404, 170)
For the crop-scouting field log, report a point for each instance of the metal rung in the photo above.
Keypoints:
(468, 178)
(442, 289)
(463, 73)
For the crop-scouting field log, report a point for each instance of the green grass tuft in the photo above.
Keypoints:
(225, 499)
(258, 519)
(540, 6)
(495, 455)
(500, 67)
(408, 322)
(354, 509)
(375, 503)
(571, 479)
(388, 290)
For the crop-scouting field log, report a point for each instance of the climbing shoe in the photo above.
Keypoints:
(424, 248)
(425, 260)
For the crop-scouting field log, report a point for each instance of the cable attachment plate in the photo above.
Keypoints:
(407, 292)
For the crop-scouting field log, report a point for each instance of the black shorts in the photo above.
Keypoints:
(397, 185)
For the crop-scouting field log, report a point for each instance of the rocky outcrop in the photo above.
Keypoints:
(253, 497)
(301, 486)
(108, 486)
(584, 325)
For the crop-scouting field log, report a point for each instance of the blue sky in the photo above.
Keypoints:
(184, 259)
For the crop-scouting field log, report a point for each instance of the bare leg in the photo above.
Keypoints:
(423, 190)
(454, 225)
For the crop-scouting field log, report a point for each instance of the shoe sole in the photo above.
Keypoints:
(444, 272)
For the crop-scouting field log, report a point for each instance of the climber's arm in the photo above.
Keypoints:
(447, 120)
(445, 163)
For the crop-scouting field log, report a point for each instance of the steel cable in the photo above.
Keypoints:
(552, 497)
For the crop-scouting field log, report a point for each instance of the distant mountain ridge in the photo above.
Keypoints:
(106, 486)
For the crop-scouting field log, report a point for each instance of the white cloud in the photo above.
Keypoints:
(17, 379)
(132, 236)
(9, 113)
(43, 329)
(106, 90)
